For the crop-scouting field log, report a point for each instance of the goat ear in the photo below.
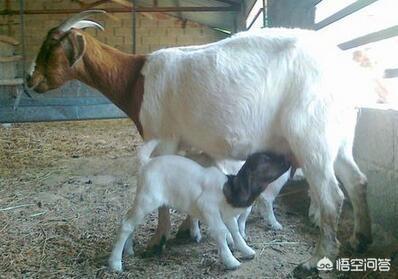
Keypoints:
(75, 47)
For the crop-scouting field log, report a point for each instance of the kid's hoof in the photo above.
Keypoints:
(116, 266)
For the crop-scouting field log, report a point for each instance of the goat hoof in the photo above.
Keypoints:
(232, 266)
(302, 271)
(115, 266)
(196, 237)
(183, 233)
(275, 226)
(157, 247)
(129, 251)
(249, 256)
(360, 242)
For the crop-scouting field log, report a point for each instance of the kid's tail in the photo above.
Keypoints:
(144, 154)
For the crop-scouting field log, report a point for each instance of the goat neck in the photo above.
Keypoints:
(115, 74)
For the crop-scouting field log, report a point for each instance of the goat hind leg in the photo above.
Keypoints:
(132, 219)
(190, 227)
(355, 183)
(325, 188)
(158, 241)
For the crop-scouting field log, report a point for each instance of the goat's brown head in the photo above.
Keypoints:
(63, 47)
(259, 170)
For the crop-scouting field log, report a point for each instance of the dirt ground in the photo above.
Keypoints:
(65, 186)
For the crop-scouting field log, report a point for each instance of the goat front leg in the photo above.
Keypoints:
(242, 222)
(240, 243)
(267, 199)
(219, 233)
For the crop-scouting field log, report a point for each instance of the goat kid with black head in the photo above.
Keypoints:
(204, 193)
(242, 189)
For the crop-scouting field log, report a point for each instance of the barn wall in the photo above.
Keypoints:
(376, 151)
(154, 31)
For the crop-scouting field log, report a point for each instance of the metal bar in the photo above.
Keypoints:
(127, 10)
(23, 45)
(19, 91)
(255, 17)
(370, 38)
(360, 4)
(134, 29)
(264, 15)
(391, 73)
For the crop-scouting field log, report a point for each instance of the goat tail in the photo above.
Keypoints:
(145, 152)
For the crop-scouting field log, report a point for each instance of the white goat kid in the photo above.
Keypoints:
(283, 90)
(204, 193)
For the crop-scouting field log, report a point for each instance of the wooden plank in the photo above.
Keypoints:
(360, 4)
(370, 38)
(14, 58)
(8, 40)
(11, 82)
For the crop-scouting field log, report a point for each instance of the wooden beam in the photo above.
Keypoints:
(11, 82)
(370, 38)
(14, 58)
(8, 40)
(126, 10)
(360, 4)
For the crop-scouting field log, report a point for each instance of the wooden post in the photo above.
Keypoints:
(134, 26)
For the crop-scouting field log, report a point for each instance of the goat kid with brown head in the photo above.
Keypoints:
(69, 53)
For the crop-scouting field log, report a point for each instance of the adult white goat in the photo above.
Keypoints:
(283, 90)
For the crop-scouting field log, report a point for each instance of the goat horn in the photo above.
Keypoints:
(87, 23)
(70, 22)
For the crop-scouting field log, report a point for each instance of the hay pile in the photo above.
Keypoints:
(64, 187)
(42, 145)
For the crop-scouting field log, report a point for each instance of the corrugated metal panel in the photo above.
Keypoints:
(73, 101)
(223, 20)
